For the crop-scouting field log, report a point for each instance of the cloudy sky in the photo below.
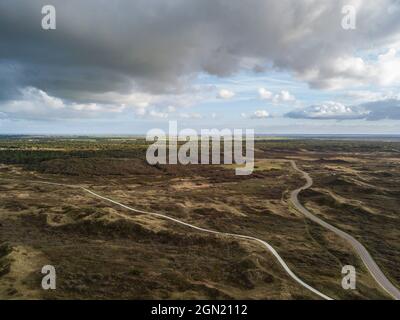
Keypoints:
(126, 66)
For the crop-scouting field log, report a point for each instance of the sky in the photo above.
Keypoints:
(125, 67)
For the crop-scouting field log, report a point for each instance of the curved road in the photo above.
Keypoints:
(371, 265)
(233, 235)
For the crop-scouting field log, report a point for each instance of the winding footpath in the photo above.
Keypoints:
(225, 234)
(368, 261)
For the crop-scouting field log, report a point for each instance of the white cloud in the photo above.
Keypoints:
(143, 100)
(387, 70)
(277, 98)
(329, 110)
(32, 103)
(265, 94)
(225, 94)
(283, 96)
(372, 111)
(36, 104)
(260, 114)
(351, 71)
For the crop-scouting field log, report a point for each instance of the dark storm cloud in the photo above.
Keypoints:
(158, 45)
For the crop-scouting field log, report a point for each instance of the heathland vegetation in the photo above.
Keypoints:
(100, 254)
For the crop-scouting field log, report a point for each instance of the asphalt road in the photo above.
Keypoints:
(371, 265)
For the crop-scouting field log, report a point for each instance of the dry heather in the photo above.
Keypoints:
(100, 255)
